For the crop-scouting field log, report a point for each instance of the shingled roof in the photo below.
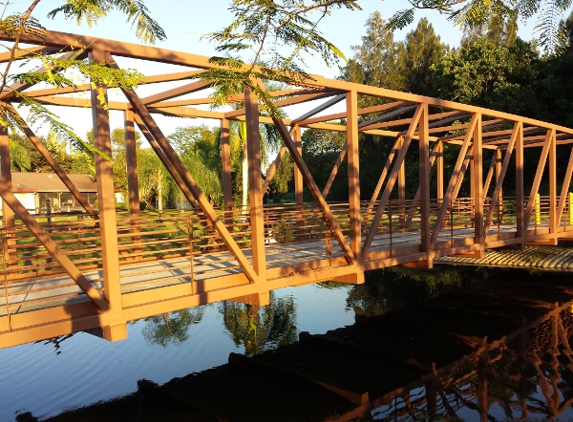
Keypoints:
(49, 182)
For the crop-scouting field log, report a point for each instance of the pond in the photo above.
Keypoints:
(407, 345)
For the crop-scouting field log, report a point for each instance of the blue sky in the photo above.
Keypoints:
(185, 21)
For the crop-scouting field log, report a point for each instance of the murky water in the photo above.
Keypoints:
(404, 346)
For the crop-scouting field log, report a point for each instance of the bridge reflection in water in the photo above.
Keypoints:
(500, 349)
(66, 274)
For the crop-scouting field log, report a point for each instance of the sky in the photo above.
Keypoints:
(187, 21)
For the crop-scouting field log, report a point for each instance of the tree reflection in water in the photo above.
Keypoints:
(393, 288)
(172, 327)
(261, 328)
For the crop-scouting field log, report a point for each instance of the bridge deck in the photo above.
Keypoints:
(287, 260)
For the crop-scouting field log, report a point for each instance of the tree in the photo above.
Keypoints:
(422, 50)
(279, 34)
(488, 13)
(19, 24)
(376, 61)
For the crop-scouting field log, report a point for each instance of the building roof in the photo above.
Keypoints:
(50, 182)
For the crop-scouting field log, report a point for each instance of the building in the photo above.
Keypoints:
(34, 190)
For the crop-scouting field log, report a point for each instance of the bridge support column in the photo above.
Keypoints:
(106, 196)
(298, 181)
(439, 171)
(519, 187)
(6, 180)
(353, 173)
(477, 182)
(132, 179)
(255, 185)
(424, 175)
(226, 169)
(553, 223)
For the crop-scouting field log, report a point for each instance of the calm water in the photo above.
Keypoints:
(45, 381)
(406, 340)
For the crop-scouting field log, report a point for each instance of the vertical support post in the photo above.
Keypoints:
(132, 180)
(255, 185)
(570, 209)
(402, 192)
(553, 223)
(226, 169)
(440, 171)
(477, 181)
(131, 159)
(105, 192)
(298, 182)
(353, 172)
(519, 187)
(425, 167)
(6, 175)
(498, 167)
(537, 211)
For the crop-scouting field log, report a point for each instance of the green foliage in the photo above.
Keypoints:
(376, 61)
(146, 28)
(488, 13)
(279, 34)
(51, 72)
(283, 179)
(320, 150)
(19, 158)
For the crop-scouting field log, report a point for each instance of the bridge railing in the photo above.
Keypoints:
(28, 269)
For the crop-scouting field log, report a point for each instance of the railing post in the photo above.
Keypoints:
(256, 209)
(106, 205)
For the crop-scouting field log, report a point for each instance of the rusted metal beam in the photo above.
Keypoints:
(477, 180)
